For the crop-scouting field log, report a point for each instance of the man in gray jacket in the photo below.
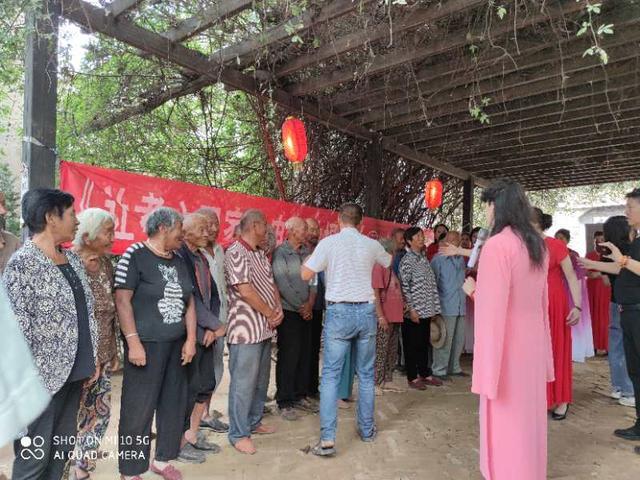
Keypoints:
(294, 334)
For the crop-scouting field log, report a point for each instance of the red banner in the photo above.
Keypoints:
(130, 197)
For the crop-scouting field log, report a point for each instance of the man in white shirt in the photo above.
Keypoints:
(347, 258)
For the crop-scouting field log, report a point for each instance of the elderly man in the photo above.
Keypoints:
(255, 312)
(294, 334)
(348, 258)
(201, 376)
(313, 237)
(214, 253)
(9, 243)
(450, 274)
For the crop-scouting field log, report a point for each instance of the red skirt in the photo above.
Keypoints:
(560, 390)
(599, 301)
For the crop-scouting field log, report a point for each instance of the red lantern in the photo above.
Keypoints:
(433, 194)
(294, 140)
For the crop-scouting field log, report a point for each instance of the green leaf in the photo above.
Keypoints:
(485, 101)
(501, 12)
(473, 49)
(475, 112)
(297, 39)
(604, 56)
(316, 42)
(595, 8)
(605, 29)
(583, 29)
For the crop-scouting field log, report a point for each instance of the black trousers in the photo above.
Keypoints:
(294, 353)
(417, 348)
(314, 361)
(159, 387)
(52, 438)
(201, 380)
(630, 322)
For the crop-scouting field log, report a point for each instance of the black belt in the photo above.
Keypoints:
(631, 307)
(346, 303)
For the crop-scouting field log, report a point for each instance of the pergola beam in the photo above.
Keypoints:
(541, 85)
(592, 167)
(513, 117)
(517, 143)
(502, 81)
(206, 19)
(553, 148)
(547, 159)
(442, 79)
(412, 20)
(95, 19)
(160, 94)
(118, 7)
(583, 85)
(382, 63)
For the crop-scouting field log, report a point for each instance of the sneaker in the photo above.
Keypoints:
(432, 381)
(189, 454)
(370, 438)
(632, 433)
(627, 401)
(615, 394)
(306, 406)
(205, 445)
(288, 413)
(215, 425)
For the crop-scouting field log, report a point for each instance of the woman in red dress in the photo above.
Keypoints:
(599, 300)
(561, 318)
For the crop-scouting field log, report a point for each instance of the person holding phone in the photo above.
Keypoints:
(627, 293)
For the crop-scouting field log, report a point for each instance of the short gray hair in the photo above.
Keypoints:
(208, 212)
(91, 222)
(250, 216)
(291, 223)
(162, 217)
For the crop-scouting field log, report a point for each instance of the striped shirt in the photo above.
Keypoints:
(243, 264)
(348, 257)
(419, 285)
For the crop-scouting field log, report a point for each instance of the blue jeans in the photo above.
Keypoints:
(620, 380)
(249, 367)
(345, 387)
(346, 325)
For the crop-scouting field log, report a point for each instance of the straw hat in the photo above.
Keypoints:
(438, 332)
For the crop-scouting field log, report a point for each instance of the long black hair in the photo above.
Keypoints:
(544, 220)
(512, 209)
(617, 231)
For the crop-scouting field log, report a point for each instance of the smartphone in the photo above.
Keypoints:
(602, 250)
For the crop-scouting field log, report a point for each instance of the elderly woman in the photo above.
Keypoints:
(94, 240)
(155, 305)
(53, 304)
(389, 308)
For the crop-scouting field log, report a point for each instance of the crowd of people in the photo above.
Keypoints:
(178, 299)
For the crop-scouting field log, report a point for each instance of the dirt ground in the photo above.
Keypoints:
(422, 435)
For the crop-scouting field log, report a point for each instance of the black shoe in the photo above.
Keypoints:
(632, 433)
(560, 416)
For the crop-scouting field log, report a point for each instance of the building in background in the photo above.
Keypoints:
(582, 221)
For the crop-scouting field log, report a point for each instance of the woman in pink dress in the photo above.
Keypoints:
(512, 350)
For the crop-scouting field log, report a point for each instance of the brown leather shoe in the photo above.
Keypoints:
(417, 384)
(432, 381)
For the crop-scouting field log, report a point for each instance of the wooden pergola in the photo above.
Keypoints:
(451, 84)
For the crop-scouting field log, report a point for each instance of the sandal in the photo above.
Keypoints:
(320, 450)
(168, 473)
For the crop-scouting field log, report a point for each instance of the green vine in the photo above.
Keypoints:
(597, 32)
